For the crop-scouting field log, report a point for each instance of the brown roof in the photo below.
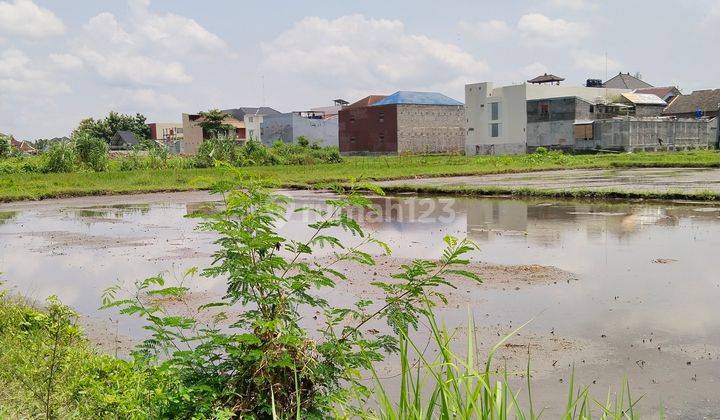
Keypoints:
(626, 81)
(367, 101)
(546, 78)
(22, 146)
(660, 91)
(707, 100)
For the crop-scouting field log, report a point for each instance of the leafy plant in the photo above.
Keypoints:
(264, 363)
(5, 147)
(106, 128)
(213, 124)
(465, 386)
(91, 151)
(59, 158)
(221, 148)
(302, 141)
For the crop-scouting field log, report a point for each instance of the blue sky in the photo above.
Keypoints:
(61, 61)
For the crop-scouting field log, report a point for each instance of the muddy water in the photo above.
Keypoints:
(643, 299)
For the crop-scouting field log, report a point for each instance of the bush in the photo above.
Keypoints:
(60, 158)
(50, 371)
(92, 151)
(5, 147)
(222, 148)
(266, 362)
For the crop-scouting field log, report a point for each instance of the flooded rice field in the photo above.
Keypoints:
(612, 289)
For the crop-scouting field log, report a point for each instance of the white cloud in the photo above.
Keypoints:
(540, 30)
(575, 5)
(594, 62)
(134, 69)
(20, 77)
(26, 19)
(148, 100)
(490, 30)
(534, 69)
(176, 33)
(358, 56)
(143, 52)
(66, 61)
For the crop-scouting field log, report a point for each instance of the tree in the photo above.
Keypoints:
(212, 123)
(106, 128)
(92, 151)
(267, 363)
(5, 146)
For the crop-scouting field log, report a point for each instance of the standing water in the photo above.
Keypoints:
(612, 288)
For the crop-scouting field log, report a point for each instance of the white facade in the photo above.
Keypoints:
(253, 124)
(496, 118)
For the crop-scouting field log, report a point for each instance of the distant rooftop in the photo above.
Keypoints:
(626, 81)
(704, 100)
(664, 91)
(366, 101)
(240, 113)
(417, 98)
(546, 78)
(644, 99)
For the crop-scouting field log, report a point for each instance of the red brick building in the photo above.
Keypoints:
(405, 122)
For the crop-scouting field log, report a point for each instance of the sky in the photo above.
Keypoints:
(62, 61)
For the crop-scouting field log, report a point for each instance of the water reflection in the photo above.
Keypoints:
(116, 211)
(6, 216)
(623, 293)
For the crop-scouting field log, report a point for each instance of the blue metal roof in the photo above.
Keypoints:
(417, 98)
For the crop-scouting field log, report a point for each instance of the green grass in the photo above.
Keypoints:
(466, 386)
(32, 186)
(49, 370)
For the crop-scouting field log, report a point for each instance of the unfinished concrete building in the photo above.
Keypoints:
(577, 124)
(405, 122)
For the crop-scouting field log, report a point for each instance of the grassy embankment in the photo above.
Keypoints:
(23, 186)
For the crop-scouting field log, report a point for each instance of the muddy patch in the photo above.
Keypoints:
(60, 241)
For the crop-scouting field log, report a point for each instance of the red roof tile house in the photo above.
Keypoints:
(404, 122)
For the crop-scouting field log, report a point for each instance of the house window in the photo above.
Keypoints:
(381, 117)
(381, 138)
(352, 120)
(592, 108)
(495, 111)
(495, 130)
(544, 109)
(352, 139)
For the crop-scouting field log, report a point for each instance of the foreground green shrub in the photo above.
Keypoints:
(91, 151)
(50, 371)
(5, 147)
(60, 157)
(266, 363)
(222, 148)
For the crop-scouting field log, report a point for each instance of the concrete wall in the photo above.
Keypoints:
(648, 110)
(277, 127)
(321, 131)
(192, 136)
(513, 112)
(290, 126)
(253, 127)
(638, 135)
(551, 134)
(430, 129)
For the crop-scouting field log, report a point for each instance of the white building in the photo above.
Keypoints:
(497, 117)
